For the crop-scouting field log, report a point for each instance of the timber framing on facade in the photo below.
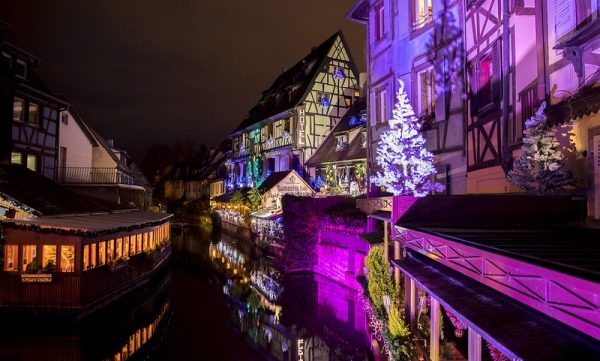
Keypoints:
(294, 115)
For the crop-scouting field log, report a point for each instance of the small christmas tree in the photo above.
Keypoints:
(406, 165)
(541, 166)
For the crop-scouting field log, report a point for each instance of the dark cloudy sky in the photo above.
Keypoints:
(148, 71)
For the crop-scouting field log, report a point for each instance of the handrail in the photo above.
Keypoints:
(94, 175)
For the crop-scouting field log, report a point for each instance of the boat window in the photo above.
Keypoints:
(30, 262)
(125, 247)
(86, 257)
(67, 258)
(93, 249)
(49, 258)
(11, 257)
(101, 253)
(119, 247)
(110, 251)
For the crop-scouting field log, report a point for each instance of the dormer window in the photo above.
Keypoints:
(20, 68)
(341, 141)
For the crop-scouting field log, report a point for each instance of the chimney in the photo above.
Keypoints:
(111, 143)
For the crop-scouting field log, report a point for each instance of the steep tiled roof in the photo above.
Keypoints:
(327, 152)
(289, 88)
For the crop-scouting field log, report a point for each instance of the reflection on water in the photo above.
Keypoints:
(300, 316)
(290, 317)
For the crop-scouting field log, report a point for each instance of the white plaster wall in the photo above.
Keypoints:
(72, 137)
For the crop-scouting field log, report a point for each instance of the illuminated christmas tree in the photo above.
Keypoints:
(406, 166)
(541, 166)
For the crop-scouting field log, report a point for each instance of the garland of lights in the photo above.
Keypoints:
(375, 324)
(496, 354)
(267, 283)
(459, 325)
(16, 204)
(77, 232)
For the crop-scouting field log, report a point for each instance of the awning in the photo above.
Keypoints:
(372, 237)
(509, 324)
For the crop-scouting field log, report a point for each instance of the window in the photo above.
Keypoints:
(139, 241)
(102, 253)
(16, 158)
(119, 248)
(125, 247)
(110, 250)
(18, 107)
(486, 72)
(11, 260)
(33, 116)
(32, 162)
(64, 117)
(287, 125)
(423, 12)
(93, 249)
(426, 88)
(20, 68)
(341, 141)
(67, 258)
(379, 21)
(381, 105)
(347, 100)
(364, 138)
(49, 257)
(30, 262)
(86, 257)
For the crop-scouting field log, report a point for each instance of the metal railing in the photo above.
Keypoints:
(94, 175)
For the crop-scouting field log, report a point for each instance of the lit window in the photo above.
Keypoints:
(110, 250)
(11, 254)
(423, 12)
(16, 158)
(93, 249)
(49, 257)
(139, 241)
(379, 21)
(30, 262)
(67, 258)
(119, 248)
(381, 105)
(486, 72)
(341, 142)
(125, 247)
(18, 106)
(32, 162)
(33, 116)
(426, 92)
(86, 257)
(347, 100)
(101, 253)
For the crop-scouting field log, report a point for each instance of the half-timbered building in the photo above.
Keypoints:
(29, 115)
(294, 115)
(408, 40)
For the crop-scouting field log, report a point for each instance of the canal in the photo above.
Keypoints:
(222, 300)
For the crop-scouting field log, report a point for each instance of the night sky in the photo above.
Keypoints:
(157, 71)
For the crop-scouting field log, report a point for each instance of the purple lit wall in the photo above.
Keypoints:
(341, 257)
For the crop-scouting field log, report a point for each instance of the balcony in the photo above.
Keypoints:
(278, 142)
(93, 175)
(373, 205)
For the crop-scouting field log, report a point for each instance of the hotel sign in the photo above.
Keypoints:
(300, 348)
(301, 122)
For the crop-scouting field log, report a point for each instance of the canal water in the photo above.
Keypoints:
(222, 300)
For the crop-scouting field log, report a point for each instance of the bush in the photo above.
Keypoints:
(380, 282)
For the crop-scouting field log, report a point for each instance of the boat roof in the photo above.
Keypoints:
(90, 223)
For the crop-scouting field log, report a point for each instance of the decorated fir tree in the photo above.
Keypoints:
(406, 166)
(541, 167)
